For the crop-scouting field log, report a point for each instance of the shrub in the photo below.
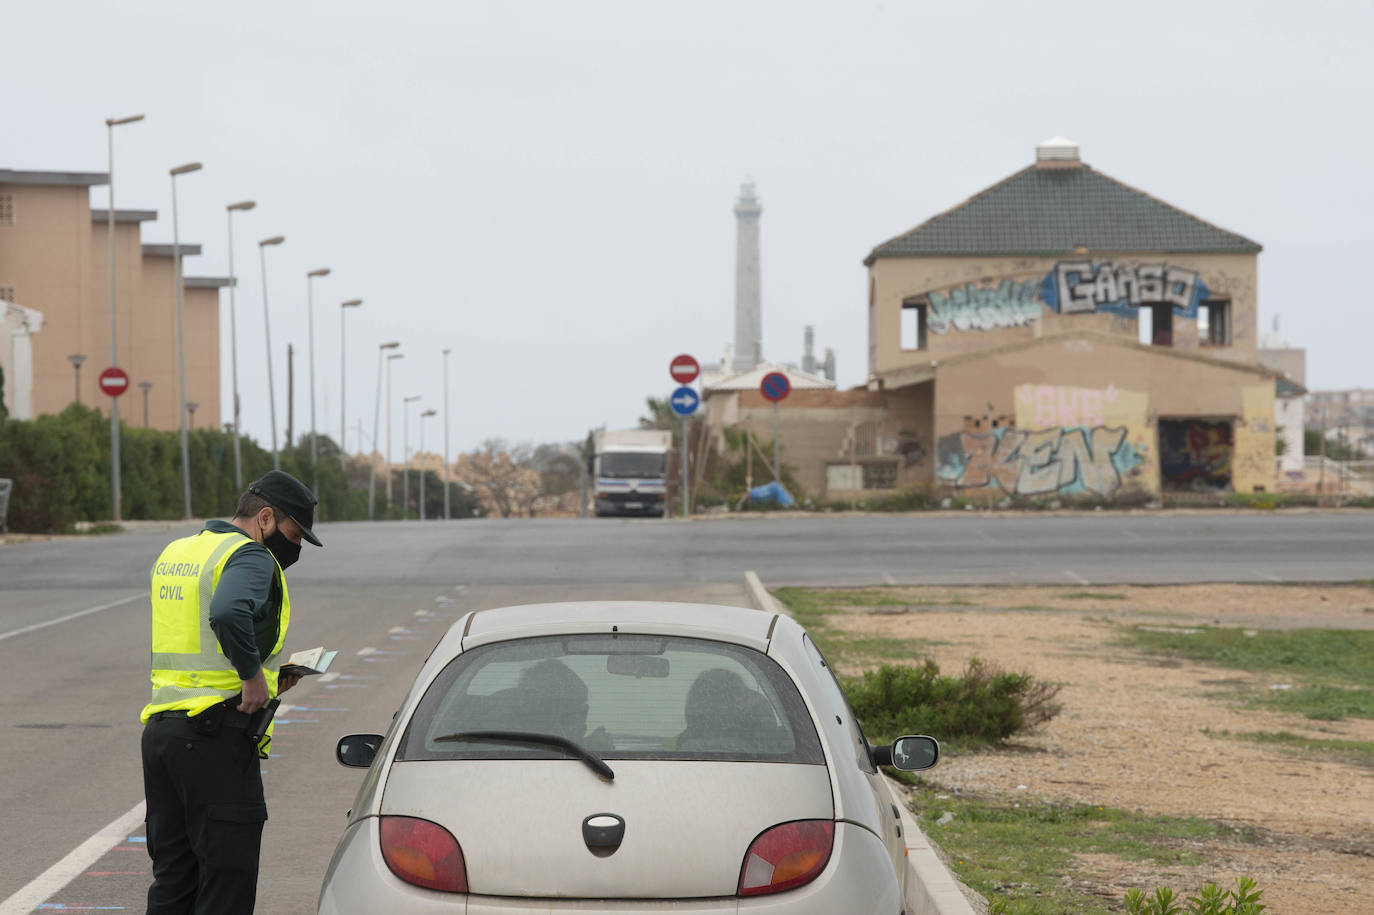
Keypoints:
(984, 705)
(1210, 900)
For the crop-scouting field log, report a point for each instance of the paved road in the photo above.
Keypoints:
(73, 637)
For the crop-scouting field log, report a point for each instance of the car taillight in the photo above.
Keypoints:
(786, 856)
(423, 853)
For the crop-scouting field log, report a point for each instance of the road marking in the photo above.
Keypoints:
(329, 677)
(76, 863)
(1266, 575)
(1076, 577)
(364, 652)
(69, 617)
(888, 579)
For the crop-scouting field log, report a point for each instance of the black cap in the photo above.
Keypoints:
(291, 497)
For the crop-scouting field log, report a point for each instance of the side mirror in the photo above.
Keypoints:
(909, 754)
(358, 750)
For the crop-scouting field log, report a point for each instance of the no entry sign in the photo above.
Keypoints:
(684, 369)
(775, 386)
(114, 381)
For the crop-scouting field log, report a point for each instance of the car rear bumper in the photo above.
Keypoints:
(859, 880)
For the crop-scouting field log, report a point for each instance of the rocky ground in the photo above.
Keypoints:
(1133, 731)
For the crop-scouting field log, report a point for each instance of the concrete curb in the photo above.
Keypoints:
(930, 888)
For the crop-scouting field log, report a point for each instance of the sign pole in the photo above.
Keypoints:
(777, 468)
(684, 467)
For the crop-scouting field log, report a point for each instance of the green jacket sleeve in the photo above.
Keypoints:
(242, 595)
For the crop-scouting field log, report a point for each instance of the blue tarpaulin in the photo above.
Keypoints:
(772, 492)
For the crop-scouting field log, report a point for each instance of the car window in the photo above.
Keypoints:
(620, 696)
(839, 705)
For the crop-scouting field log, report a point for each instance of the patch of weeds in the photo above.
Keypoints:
(1331, 656)
(1320, 703)
(1211, 899)
(1019, 855)
(1355, 752)
(1092, 595)
(1032, 607)
(814, 607)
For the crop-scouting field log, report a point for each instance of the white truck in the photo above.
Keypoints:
(630, 471)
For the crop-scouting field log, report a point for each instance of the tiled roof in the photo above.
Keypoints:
(1052, 211)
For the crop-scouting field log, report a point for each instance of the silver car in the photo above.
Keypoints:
(623, 757)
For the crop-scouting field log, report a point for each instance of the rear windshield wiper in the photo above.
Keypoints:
(594, 762)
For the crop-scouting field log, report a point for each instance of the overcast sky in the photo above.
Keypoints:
(546, 187)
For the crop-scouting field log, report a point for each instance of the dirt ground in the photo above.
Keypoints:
(1131, 733)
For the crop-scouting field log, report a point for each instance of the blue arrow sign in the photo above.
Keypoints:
(684, 401)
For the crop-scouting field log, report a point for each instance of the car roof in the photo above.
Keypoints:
(751, 628)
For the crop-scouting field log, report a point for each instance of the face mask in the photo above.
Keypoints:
(282, 548)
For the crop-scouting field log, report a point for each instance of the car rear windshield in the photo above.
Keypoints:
(621, 697)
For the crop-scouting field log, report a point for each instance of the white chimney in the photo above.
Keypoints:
(1057, 151)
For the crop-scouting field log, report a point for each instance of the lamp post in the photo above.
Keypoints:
(181, 350)
(389, 359)
(76, 359)
(405, 459)
(376, 421)
(191, 411)
(423, 416)
(115, 484)
(446, 484)
(310, 325)
(267, 329)
(242, 205)
(145, 387)
(343, 378)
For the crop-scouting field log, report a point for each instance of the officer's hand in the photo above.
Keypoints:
(286, 681)
(254, 693)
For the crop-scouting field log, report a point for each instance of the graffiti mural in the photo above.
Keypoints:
(1061, 461)
(1195, 454)
(1074, 287)
(974, 307)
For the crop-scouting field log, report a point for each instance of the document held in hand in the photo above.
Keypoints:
(308, 662)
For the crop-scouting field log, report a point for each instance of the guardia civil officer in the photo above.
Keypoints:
(220, 613)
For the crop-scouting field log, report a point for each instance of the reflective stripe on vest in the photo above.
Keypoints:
(189, 668)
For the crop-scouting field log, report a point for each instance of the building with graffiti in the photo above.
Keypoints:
(1058, 334)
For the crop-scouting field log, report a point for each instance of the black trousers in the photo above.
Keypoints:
(205, 816)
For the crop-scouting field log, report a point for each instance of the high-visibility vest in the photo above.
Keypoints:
(189, 668)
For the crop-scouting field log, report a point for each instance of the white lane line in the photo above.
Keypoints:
(69, 617)
(1266, 575)
(1076, 577)
(74, 865)
(364, 652)
(888, 579)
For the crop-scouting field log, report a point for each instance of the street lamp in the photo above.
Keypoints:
(446, 484)
(310, 325)
(267, 328)
(343, 378)
(242, 205)
(145, 387)
(389, 359)
(376, 421)
(181, 351)
(423, 416)
(405, 459)
(191, 410)
(115, 485)
(76, 359)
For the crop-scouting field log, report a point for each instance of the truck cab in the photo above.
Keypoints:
(630, 471)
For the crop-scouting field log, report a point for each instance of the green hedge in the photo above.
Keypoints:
(60, 465)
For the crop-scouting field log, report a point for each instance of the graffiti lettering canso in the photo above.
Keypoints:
(1063, 461)
(1072, 287)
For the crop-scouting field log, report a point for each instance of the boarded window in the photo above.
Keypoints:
(6, 209)
(7, 294)
(880, 475)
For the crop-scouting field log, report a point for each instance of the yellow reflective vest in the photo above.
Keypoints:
(189, 668)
